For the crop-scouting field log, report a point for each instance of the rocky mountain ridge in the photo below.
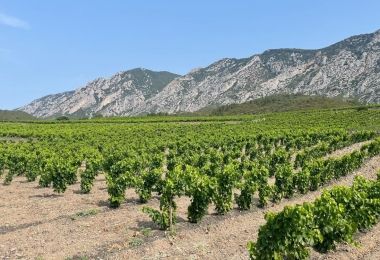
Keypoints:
(113, 96)
(349, 69)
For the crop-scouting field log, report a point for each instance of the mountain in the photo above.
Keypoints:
(113, 96)
(15, 115)
(349, 69)
(276, 103)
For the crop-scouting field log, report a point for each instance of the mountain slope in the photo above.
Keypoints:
(348, 69)
(112, 96)
(276, 103)
(15, 115)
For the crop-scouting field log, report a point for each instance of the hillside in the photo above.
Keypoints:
(15, 115)
(277, 103)
(112, 96)
(348, 69)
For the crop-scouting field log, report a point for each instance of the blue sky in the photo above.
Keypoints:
(47, 47)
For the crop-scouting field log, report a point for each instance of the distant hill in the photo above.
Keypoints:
(278, 103)
(15, 115)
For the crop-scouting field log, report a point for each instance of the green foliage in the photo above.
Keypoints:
(201, 189)
(98, 115)
(361, 108)
(278, 103)
(171, 186)
(157, 114)
(303, 181)
(330, 219)
(35, 165)
(15, 161)
(284, 184)
(279, 157)
(118, 180)
(61, 118)
(94, 162)
(116, 188)
(147, 232)
(63, 171)
(226, 180)
(161, 218)
(361, 210)
(374, 147)
(248, 188)
(145, 183)
(84, 213)
(8, 115)
(265, 191)
(286, 234)
(77, 258)
(205, 161)
(136, 241)
(2, 165)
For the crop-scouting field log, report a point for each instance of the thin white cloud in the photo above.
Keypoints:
(13, 21)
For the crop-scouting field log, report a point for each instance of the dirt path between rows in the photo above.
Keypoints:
(36, 223)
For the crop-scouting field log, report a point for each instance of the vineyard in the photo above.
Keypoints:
(116, 180)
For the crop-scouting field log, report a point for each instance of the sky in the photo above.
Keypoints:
(48, 47)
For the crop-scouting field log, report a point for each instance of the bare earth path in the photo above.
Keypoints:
(36, 222)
